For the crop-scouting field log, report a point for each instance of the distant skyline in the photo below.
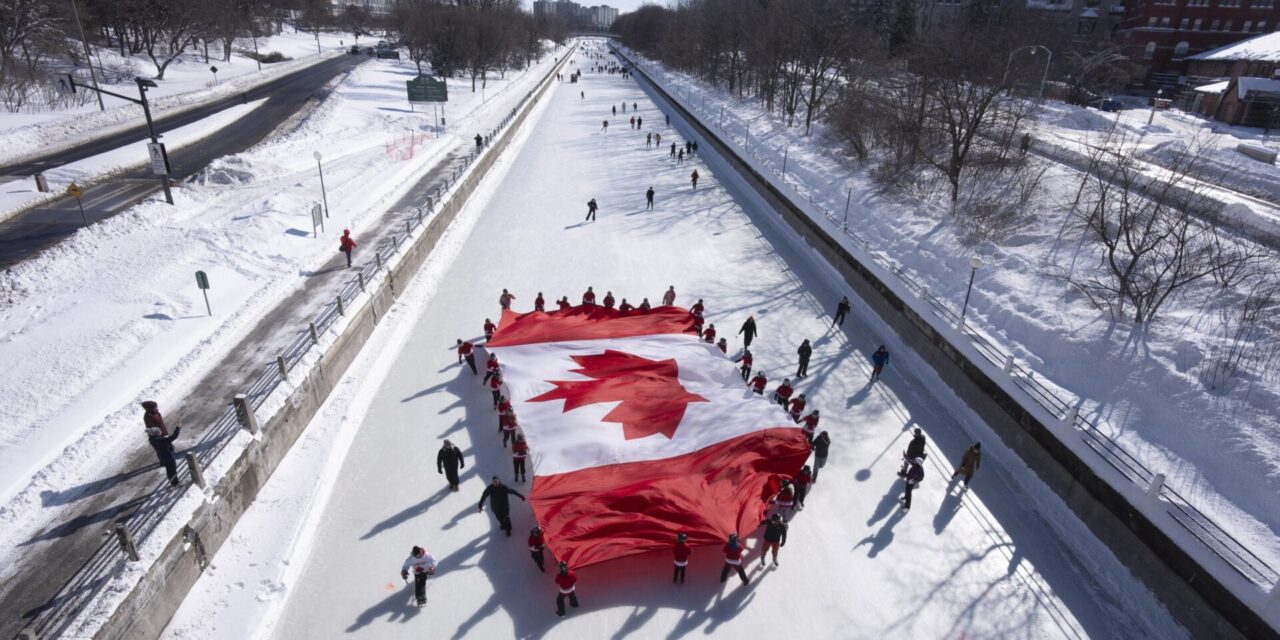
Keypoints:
(623, 6)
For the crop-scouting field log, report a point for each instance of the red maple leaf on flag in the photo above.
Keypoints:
(648, 392)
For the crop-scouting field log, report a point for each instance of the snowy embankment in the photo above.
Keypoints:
(994, 562)
(1151, 391)
(188, 83)
(72, 386)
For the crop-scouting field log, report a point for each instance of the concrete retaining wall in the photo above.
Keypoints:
(1192, 595)
(151, 604)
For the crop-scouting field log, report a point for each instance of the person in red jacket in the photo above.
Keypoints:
(733, 552)
(563, 303)
(786, 498)
(644, 306)
(345, 244)
(697, 307)
(710, 334)
(782, 395)
(802, 482)
(568, 583)
(758, 383)
(746, 361)
(810, 425)
(589, 297)
(681, 553)
(490, 368)
(797, 407)
(723, 346)
(536, 544)
(506, 420)
(697, 323)
(495, 387)
(489, 329)
(467, 352)
(539, 304)
(519, 451)
(608, 299)
(625, 306)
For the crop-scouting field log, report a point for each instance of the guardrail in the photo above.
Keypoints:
(112, 555)
(1232, 551)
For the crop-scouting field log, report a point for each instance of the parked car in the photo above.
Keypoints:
(355, 50)
(390, 54)
(1106, 104)
(369, 51)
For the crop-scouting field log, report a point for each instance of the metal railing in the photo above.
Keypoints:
(1235, 553)
(110, 557)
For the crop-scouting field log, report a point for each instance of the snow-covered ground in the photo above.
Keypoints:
(71, 386)
(317, 555)
(187, 81)
(1217, 441)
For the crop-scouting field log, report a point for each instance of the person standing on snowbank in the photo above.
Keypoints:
(499, 503)
(733, 560)
(505, 299)
(669, 298)
(448, 462)
(160, 440)
(591, 209)
(648, 196)
(345, 244)
(422, 565)
(758, 383)
(748, 332)
(567, 581)
(746, 361)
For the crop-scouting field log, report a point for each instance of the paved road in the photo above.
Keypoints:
(56, 553)
(30, 232)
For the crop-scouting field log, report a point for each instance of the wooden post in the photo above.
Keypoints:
(1008, 364)
(341, 311)
(315, 335)
(125, 538)
(245, 413)
(284, 371)
(1153, 491)
(360, 278)
(197, 475)
(1070, 418)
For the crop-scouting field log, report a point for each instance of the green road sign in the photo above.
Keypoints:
(202, 280)
(427, 89)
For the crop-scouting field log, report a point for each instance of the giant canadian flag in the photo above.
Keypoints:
(639, 431)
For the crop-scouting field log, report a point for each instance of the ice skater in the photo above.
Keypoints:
(915, 474)
(969, 463)
(160, 439)
(422, 565)
(346, 244)
(842, 309)
(878, 360)
(693, 178)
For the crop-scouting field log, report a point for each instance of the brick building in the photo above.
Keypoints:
(1160, 34)
(1239, 83)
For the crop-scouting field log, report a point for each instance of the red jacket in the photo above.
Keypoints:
(733, 553)
(539, 304)
(784, 391)
(759, 382)
(536, 542)
(810, 423)
(608, 301)
(464, 349)
(696, 309)
(489, 328)
(495, 383)
(346, 242)
(567, 581)
(589, 298)
(797, 405)
(709, 335)
(563, 304)
(520, 449)
(681, 552)
(491, 365)
(625, 307)
(802, 479)
(747, 359)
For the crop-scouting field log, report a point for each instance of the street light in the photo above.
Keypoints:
(975, 263)
(323, 194)
(1033, 48)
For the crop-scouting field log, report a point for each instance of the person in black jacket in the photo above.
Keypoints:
(160, 439)
(775, 535)
(748, 332)
(448, 461)
(821, 444)
(804, 352)
(915, 449)
(842, 309)
(496, 493)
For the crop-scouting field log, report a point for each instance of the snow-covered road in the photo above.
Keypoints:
(1005, 560)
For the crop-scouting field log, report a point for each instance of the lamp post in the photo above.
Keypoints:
(324, 196)
(1033, 48)
(975, 263)
(1158, 96)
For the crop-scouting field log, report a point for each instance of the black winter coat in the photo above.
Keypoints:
(748, 328)
(497, 497)
(916, 448)
(775, 531)
(450, 458)
(820, 445)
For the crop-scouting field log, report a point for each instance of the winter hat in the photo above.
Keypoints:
(150, 405)
(416, 551)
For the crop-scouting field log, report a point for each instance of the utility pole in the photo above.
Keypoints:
(143, 85)
(88, 55)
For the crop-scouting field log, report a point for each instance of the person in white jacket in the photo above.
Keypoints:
(422, 565)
